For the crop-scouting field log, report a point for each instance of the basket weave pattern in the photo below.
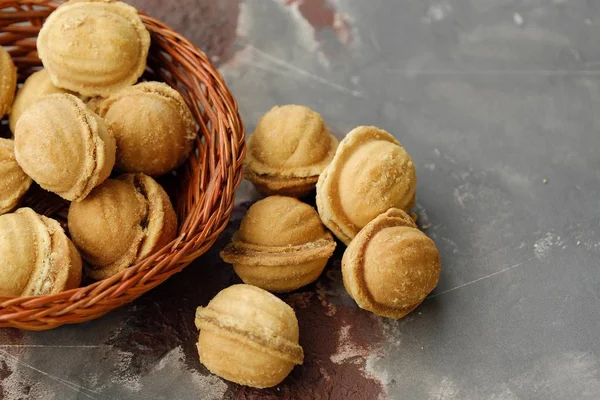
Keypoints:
(205, 185)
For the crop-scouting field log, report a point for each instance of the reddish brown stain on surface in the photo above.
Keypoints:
(5, 372)
(164, 320)
(320, 378)
(316, 12)
(320, 15)
(10, 336)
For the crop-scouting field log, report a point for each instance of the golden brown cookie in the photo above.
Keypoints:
(63, 146)
(8, 82)
(121, 222)
(37, 257)
(35, 87)
(370, 173)
(154, 127)
(94, 47)
(289, 148)
(248, 336)
(391, 266)
(281, 245)
(13, 181)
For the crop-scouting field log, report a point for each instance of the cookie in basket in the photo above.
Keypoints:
(94, 47)
(153, 126)
(14, 183)
(73, 158)
(121, 222)
(64, 146)
(37, 257)
(34, 88)
(8, 81)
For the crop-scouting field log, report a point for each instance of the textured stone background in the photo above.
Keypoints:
(490, 97)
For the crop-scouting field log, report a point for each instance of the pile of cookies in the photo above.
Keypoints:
(365, 186)
(74, 123)
(84, 130)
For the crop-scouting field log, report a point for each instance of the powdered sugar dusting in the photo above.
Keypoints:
(211, 386)
(504, 394)
(123, 374)
(463, 194)
(346, 349)
(446, 390)
(437, 12)
(18, 384)
(545, 244)
(574, 375)
(381, 374)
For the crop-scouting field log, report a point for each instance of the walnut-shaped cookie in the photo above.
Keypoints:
(37, 257)
(34, 88)
(289, 148)
(122, 221)
(370, 173)
(14, 183)
(248, 336)
(94, 47)
(391, 266)
(153, 126)
(8, 82)
(63, 146)
(281, 245)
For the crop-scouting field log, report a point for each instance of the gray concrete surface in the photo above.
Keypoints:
(492, 98)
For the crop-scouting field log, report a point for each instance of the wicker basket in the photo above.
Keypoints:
(204, 186)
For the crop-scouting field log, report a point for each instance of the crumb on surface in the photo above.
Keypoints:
(518, 19)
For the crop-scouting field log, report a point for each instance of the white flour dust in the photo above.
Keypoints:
(572, 375)
(518, 19)
(463, 194)
(545, 244)
(20, 383)
(345, 349)
(437, 12)
(211, 387)
(123, 374)
(446, 390)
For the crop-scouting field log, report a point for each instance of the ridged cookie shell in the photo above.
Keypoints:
(248, 336)
(94, 48)
(281, 245)
(390, 266)
(290, 141)
(149, 115)
(134, 217)
(35, 87)
(14, 183)
(8, 82)
(370, 173)
(63, 146)
(28, 243)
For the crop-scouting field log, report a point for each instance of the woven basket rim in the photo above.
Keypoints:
(220, 166)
